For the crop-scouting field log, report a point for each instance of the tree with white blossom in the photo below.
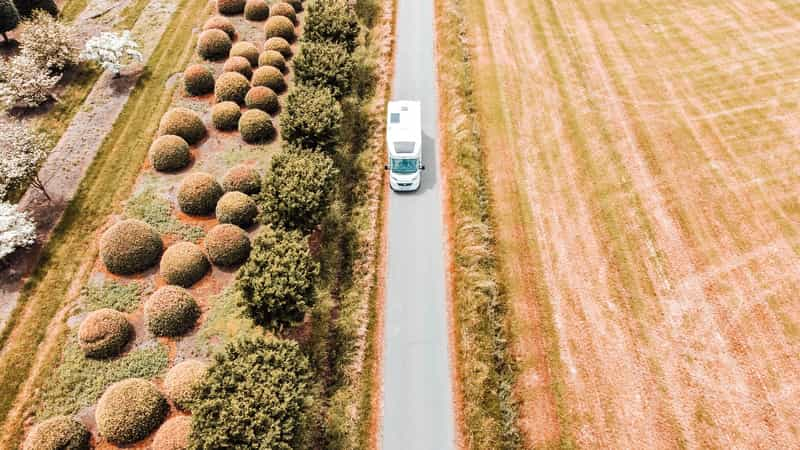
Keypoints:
(49, 41)
(17, 230)
(112, 51)
(21, 152)
(24, 82)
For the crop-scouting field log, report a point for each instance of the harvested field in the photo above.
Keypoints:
(644, 171)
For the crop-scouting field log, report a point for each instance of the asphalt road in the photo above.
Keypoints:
(417, 389)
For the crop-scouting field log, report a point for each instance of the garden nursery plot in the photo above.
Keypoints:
(642, 160)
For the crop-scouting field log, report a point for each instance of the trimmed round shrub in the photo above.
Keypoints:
(280, 45)
(247, 50)
(58, 433)
(236, 208)
(198, 194)
(238, 64)
(170, 311)
(169, 153)
(227, 245)
(272, 58)
(231, 87)
(279, 26)
(311, 119)
(332, 21)
(225, 116)
(256, 126)
(213, 44)
(174, 434)
(296, 4)
(198, 79)
(130, 410)
(220, 23)
(325, 65)
(184, 123)
(270, 77)
(283, 9)
(230, 7)
(129, 247)
(263, 98)
(183, 381)
(184, 264)
(242, 178)
(104, 333)
(256, 10)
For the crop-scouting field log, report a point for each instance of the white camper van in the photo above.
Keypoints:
(404, 145)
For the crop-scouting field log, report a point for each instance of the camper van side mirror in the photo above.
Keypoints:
(385, 167)
(422, 167)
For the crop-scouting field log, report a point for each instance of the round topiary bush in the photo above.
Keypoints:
(129, 247)
(104, 333)
(256, 126)
(182, 382)
(169, 153)
(213, 44)
(198, 194)
(231, 87)
(270, 77)
(256, 10)
(296, 4)
(225, 116)
(130, 410)
(220, 23)
(247, 50)
(283, 9)
(236, 208)
(198, 79)
(184, 264)
(272, 58)
(58, 433)
(263, 98)
(170, 311)
(227, 245)
(238, 64)
(230, 7)
(174, 434)
(242, 178)
(184, 123)
(279, 26)
(280, 45)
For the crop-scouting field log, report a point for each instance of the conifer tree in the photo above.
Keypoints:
(9, 17)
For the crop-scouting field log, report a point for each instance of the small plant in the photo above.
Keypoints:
(184, 123)
(104, 333)
(230, 7)
(231, 87)
(113, 295)
(112, 51)
(225, 116)
(238, 64)
(326, 65)
(280, 45)
(129, 411)
(170, 311)
(156, 211)
(220, 23)
(21, 151)
(9, 17)
(272, 58)
(263, 98)
(183, 382)
(237, 208)
(227, 245)
(213, 44)
(129, 247)
(255, 126)
(198, 194)
(248, 50)
(256, 10)
(170, 153)
(331, 21)
(270, 77)
(242, 178)
(198, 79)
(17, 230)
(49, 42)
(24, 83)
(174, 434)
(311, 119)
(58, 433)
(279, 26)
(283, 9)
(184, 264)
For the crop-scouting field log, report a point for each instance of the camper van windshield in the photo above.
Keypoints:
(404, 165)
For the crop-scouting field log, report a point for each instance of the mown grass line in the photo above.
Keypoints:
(108, 181)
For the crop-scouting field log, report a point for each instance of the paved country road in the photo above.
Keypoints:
(417, 390)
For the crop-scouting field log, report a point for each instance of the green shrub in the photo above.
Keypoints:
(104, 333)
(272, 58)
(231, 87)
(230, 7)
(283, 9)
(279, 26)
(111, 294)
(198, 79)
(154, 209)
(263, 98)
(297, 190)
(242, 178)
(169, 153)
(277, 281)
(270, 77)
(184, 264)
(174, 434)
(296, 4)
(227, 245)
(311, 119)
(255, 126)
(247, 50)
(129, 247)
(26, 7)
(129, 411)
(220, 23)
(183, 381)
(9, 17)
(238, 64)
(198, 194)
(58, 433)
(213, 44)
(231, 412)
(225, 116)
(332, 21)
(170, 311)
(236, 208)
(256, 10)
(325, 65)
(280, 45)
(184, 123)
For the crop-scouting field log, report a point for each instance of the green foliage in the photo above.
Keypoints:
(236, 208)
(242, 178)
(129, 410)
(58, 433)
(170, 311)
(277, 281)
(270, 77)
(280, 45)
(331, 21)
(231, 87)
(156, 210)
(238, 64)
(311, 119)
(26, 7)
(220, 23)
(198, 79)
(263, 98)
(283, 9)
(129, 247)
(256, 10)
(326, 65)
(255, 395)
(272, 58)
(297, 190)
(104, 333)
(255, 126)
(227, 245)
(213, 44)
(183, 122)
(111, 294)
(230, 7)
(182, 383)
(279, 26)
(225, 321)
(198, 194)
(9, 17)
(170, 153)
(247, 50)
(225, 115)
(184, 264)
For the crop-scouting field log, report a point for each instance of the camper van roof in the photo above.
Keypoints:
(403, 126)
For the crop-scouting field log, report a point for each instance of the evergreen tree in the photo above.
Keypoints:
(26, 7)
(9, 17)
